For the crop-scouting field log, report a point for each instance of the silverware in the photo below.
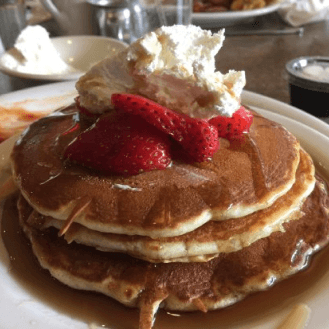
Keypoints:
(281, 31)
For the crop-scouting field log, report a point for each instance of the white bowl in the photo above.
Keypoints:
(80, 52)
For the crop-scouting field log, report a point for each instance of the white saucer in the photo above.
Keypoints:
(80, 52)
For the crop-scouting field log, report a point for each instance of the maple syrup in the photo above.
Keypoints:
(93, 308)
(15, 119)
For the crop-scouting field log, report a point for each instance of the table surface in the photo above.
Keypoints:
(262, 57)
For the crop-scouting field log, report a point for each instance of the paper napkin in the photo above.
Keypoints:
(301, 12)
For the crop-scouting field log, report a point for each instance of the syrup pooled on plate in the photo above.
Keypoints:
(93, 308)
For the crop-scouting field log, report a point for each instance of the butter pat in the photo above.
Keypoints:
(174, 66)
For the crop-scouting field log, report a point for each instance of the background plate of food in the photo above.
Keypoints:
(230, 12)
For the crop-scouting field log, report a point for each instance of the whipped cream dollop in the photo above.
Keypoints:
(34, 53)
(174, 66)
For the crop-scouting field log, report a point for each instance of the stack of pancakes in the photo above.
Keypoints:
(190, 237)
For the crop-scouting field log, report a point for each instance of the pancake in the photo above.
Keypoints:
(206, 241)
(242, 178)
(185, 286)
(148, 241)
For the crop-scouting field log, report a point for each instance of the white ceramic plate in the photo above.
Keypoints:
(229, 18)
(263, 102)
(18, 309)
(58, 94)
(80, 52)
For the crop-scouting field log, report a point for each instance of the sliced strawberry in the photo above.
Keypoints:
(235, 126)
(121, 144)
(197, 136)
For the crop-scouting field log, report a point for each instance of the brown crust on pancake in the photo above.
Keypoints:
(241, 179)
(217, 283)
(206, 241)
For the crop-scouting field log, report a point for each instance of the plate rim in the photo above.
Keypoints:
(215, 19)
(249, 98)
(240, 13)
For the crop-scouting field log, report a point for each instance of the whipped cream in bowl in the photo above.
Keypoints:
(37, 56)
(173, 66)
(35, 53)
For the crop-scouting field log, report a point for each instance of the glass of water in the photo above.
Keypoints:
(153, 14)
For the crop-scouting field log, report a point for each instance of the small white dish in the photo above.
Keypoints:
(229, 18)
(80, 52)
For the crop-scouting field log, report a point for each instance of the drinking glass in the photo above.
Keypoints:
(157, 13)
(128, 20)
